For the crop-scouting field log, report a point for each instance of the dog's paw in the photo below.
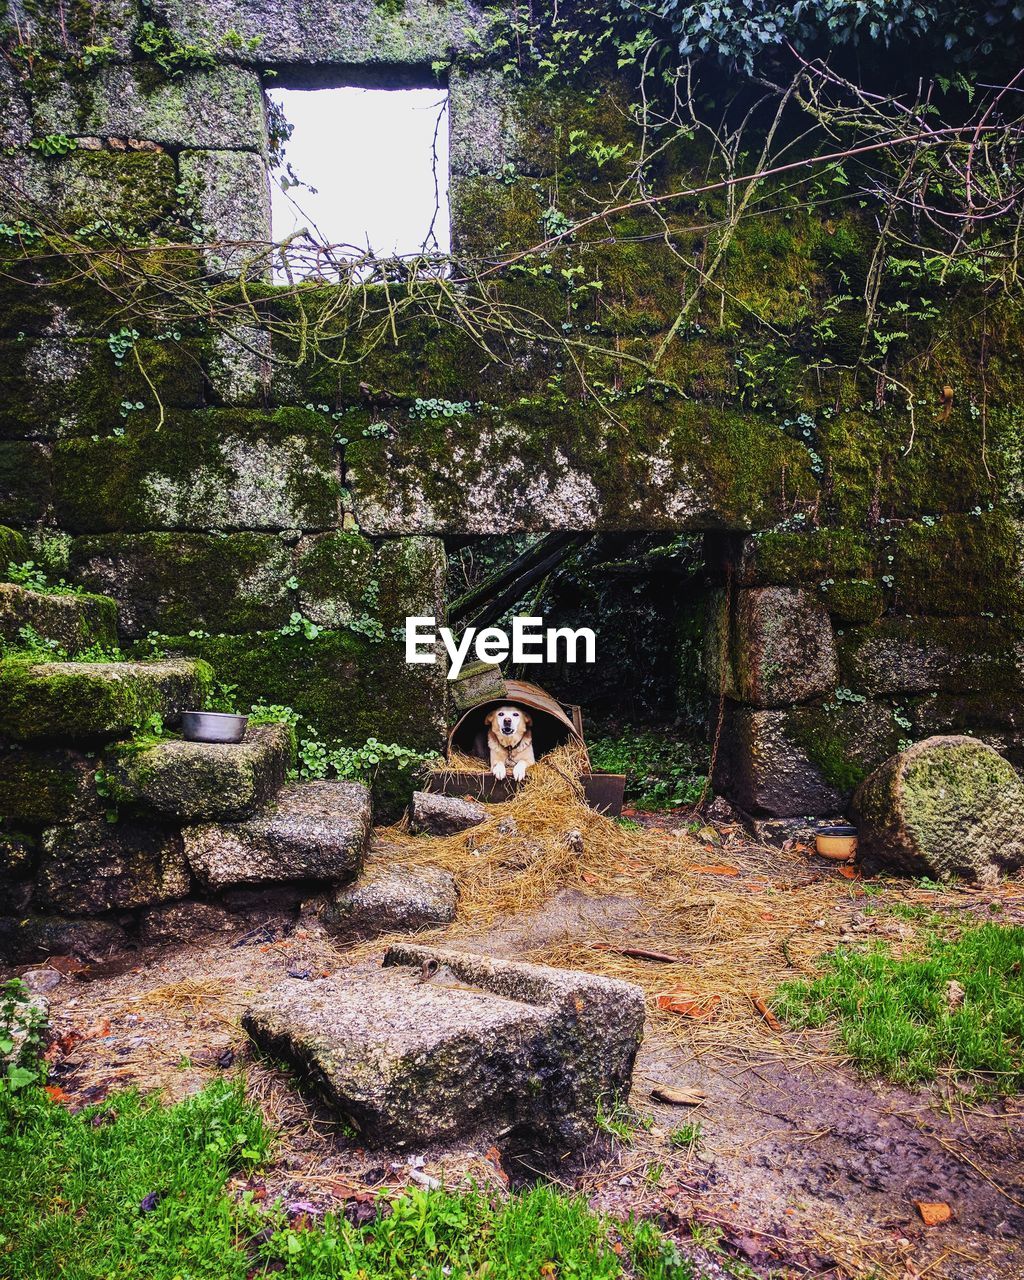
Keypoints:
(519, 770)
(498, 770)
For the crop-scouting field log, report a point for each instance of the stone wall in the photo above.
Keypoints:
(873, 585)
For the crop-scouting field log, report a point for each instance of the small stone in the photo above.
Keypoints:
(390, 896)
(438, 815)
(41, 980)
(312, 831)
(947, 806)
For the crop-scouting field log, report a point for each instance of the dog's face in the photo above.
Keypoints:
(509, 722)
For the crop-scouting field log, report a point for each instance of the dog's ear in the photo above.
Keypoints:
(527, 718)
(489, 717)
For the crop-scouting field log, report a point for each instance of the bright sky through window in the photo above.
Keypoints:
(372, 166)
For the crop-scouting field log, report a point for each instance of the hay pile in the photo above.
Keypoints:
(736, 933)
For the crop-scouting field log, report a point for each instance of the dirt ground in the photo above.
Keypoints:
(803, 1168)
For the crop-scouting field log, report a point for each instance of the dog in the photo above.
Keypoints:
(509, 741)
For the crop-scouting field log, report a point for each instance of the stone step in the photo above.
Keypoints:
(197, 781)
(312, 831)
(74, 622)
(78, 701)
(389, 896)
(441, 1043)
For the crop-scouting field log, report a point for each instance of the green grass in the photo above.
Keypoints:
(687, 1137)
(135, 1190)
(895, 1019)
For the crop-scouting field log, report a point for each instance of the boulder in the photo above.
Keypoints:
(87, 868)
(74, 622)
(83, 700)
(41, 786)
(947, 806)
(184, 922)
(203, 780)
(390, 896)
(312, 831)
(26, 939)
(441, 1043)
(439, 815)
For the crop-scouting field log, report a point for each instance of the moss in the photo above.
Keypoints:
(13, 548)
(845, 740)
(856, 600)
(87, 700)
(207, 470)
(41, 787)
(73, 622)
(336, 578)
(135, 190)
(25, 482)
(487, 214)
(789, 559)
(178, 581)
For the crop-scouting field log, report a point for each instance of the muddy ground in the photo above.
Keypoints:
(803, 1167)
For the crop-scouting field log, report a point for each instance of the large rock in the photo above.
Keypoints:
(184, 922)
(782, 648)
(203, 780)
(389, 895)
(87, 868)
(41, 786)
(947, 806)
(30, 938)
(83, 700)
(74, 622)
(440, 815)
(524, 1051)
(312, 831)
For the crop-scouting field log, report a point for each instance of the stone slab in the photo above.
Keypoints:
(40, 786)
(441, 1043)
(85, 700)
(74, 622)
(312, 831)
(203, 780)
(87, 868)
(441, 815)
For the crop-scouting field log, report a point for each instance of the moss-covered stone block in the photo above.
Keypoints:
(229, 192)
(26, 482)
(337, 578)
(918, 655)
(218, 469)
(41, 786)
(78, 701)
(74, 622)
(62, 386)
(345, 686)
(67, 30)
(88, 868)
(13, 548)
(782, 649)
(177, 582)
(221, 108)
(791, 559)
(134, 191)
(956, 565)
(477, 682)
(17, 860)
(662, 465)
(202, 781)
(856, 600)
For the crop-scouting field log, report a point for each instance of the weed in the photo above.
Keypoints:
(687, 1137)
(661, 772)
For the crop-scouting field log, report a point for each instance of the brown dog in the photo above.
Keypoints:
(509, 741)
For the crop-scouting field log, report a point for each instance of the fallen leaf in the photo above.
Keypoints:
(766, 1013)
(848, 872)
(56, 1093)
(65, 964)
(933, 1212)
(588, 877)
(715, 870)
(678, 1097)
(689, 1005)
(98, 1030)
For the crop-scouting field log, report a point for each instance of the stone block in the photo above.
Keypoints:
(26, 482)
(197, 781)
(69, 29)
(13, 548)
(477, 682)
(52, 387)
(486, 132)
(792, 558)
(15, 126)
(74, 622)
(440, 1043)
(47, 785)
(344, 580)
(133, 190)
(765, 772)
(312, 831)
(30, 938)
(88, 868)
(85, 700)
(238, 367)
(439, 815)
(390, 896)
(945, 807)
(352, 33)
(919, 655)
(212, 470)
(180, 582)
(179, 922)
(230, 193)
(782, 648)
(17, 860)
(222, 108)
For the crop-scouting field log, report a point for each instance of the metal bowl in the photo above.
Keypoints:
(212, 726)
